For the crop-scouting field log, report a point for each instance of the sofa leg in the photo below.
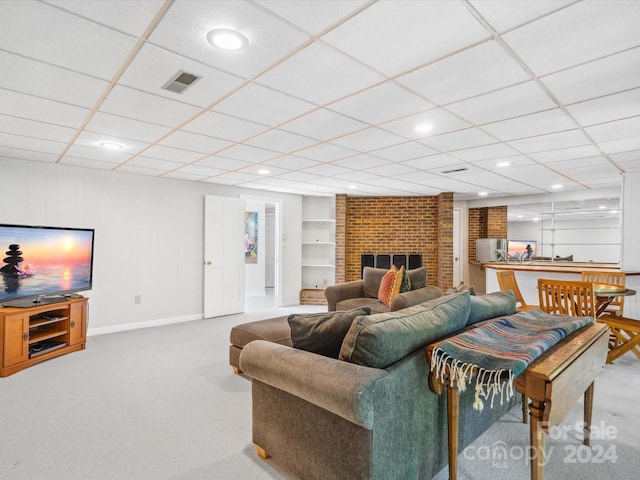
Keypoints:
(261, 453)
(237, 371)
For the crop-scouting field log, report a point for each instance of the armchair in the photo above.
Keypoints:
(364, 292)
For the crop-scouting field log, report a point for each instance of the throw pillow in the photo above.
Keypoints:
(322, 333)
(462, 287)
(491, 305)
(390, 285)
(382, 339)
(405, 286)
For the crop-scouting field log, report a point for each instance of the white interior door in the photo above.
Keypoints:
(223, 256)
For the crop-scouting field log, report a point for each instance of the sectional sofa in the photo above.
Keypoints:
(350, 398)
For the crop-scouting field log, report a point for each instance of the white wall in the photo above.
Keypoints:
(631, 221)
(149, 236)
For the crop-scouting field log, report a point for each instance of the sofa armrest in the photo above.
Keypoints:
(343, 388)
(343, 291)
(414, 297)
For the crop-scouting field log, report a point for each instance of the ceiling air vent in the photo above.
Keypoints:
(455, 170)
(180, 82)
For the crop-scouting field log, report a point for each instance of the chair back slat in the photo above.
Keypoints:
(507, 281)
(567, 297)
(610, 278)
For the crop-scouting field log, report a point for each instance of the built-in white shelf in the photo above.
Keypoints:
(318, 242)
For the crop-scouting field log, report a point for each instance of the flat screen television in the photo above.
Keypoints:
(44, 265)
(522, 247)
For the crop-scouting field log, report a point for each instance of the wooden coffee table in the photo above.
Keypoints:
(553, 383)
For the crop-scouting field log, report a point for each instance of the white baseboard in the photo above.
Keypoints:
(137, 325)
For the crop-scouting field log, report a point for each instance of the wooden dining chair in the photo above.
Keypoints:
(507, 281)
(567, 297)
(616, 306)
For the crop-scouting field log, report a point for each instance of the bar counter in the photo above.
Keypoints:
(563, 267)
(528, 273)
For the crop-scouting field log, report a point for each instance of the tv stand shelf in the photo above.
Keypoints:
(32, 335)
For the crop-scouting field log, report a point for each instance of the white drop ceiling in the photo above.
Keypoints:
(327, 94)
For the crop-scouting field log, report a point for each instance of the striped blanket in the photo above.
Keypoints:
(498, 351)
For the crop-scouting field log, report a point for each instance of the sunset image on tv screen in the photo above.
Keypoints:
(527, 248)
(40, 261)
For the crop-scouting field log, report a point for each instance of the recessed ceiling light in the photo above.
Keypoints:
(264, 171)
(353, 187)
(556, 186)
(519, 216)
(536, 219)
(227, 39)
(424, 127)
(503, 164)
(110, 145)
(602, 207)
(483, 194)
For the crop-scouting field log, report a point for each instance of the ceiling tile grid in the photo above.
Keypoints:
(388, 97)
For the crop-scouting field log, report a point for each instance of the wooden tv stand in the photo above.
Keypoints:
(35, 334)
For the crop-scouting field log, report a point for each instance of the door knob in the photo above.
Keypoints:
(207, 263)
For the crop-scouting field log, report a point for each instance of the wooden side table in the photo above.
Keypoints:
(553, 383)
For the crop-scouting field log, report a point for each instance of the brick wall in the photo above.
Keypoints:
(388, 225)
(341, 232)
(312, 296)
(445, 240)
(497, 222)
(486, 222)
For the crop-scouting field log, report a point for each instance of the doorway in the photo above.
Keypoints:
(262, 287)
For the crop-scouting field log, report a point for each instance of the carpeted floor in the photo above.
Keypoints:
(501, 452)
(162, 403)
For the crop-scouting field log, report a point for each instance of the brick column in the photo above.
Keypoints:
(445, 240)
(486, 222)
(341, 235)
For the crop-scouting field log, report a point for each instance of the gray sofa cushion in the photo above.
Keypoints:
(418, 277)
(324, 332)
(382, 339)
(371, 278)
(273, 329)
(374, 304)
(484, 307)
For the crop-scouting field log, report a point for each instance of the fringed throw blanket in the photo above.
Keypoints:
(500, 350)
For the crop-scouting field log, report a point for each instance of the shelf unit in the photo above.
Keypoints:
(318, 242)
(32, 335)
(560, 237)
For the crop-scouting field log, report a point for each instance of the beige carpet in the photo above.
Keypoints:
(162, 403)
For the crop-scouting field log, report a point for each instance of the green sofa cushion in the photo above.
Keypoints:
(382, 339)
(484, 307)
(405, 286)
(324, 332)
